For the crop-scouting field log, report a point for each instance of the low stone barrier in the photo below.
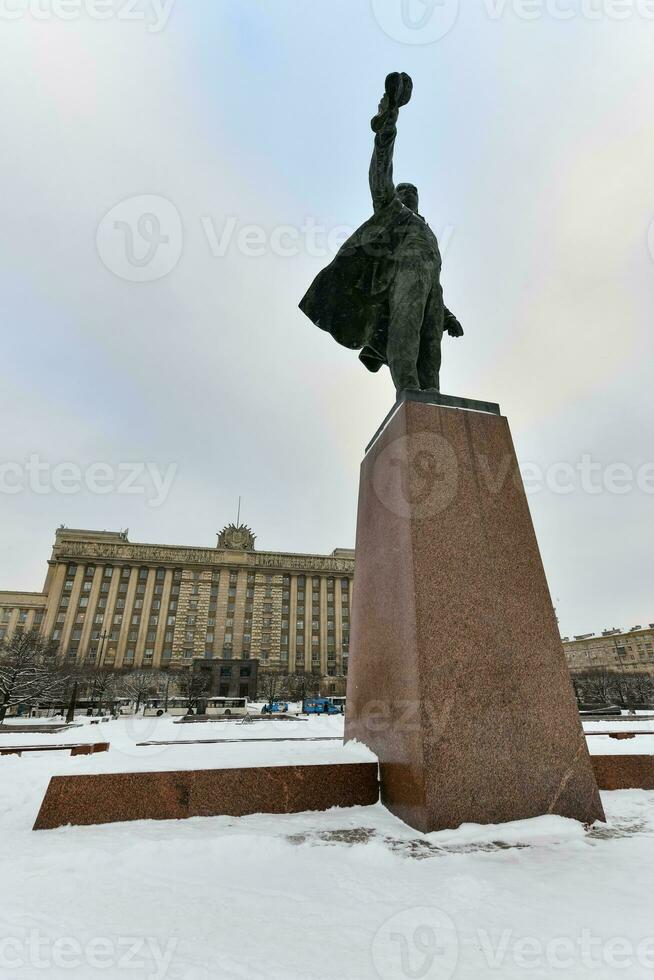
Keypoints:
(117, 797)
(624, 771)
(80, 748)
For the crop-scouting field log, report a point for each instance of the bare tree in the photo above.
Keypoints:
(640, 687)
(193, 686)
(101, 686)
(273, 686)
(301, 685)
(28, 673)
(139, 685)
(597, 685)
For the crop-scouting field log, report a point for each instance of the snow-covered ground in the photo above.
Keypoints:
(348, 894)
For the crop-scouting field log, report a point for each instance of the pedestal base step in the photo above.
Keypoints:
(118, 797)
(624, 771)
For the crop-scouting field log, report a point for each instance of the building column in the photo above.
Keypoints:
(163, 616)
(323, 624)
(239, 611)
(13, 621)
(55, 582)
(90, 614)
(308, 622)
(145, 617)
(292, 623)
(73, 601)
(338, 624)
(127, 616)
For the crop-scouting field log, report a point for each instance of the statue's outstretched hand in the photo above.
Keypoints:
(452, 325)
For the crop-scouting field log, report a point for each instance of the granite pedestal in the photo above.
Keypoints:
(457, 676)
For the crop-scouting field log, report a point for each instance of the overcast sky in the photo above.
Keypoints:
(177, 341)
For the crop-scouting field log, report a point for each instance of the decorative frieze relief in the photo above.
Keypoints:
(154, 554)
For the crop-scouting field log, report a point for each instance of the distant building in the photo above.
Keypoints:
(110, 602)
(229, 678)
(626, 651)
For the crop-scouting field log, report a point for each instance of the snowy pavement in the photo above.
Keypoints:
(348, 894)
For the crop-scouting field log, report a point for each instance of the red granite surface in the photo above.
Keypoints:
(108, 798)
(624, 771)
(457, 677)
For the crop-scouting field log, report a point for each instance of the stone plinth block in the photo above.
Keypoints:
(117, 797)
(624, 771)
(457, 676)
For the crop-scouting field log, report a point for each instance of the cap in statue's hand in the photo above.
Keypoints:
(399, 87)
(397, 93)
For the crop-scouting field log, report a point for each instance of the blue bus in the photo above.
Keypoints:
(321, 706)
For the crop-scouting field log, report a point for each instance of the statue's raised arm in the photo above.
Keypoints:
(382, 293)
(384, 125)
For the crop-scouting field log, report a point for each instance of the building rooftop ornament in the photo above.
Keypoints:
(236, 538)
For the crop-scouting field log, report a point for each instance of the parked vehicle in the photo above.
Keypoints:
(320, 706)
(339, 703)
(206, 707)
(224, 707)
(277, 707)
(156, 707)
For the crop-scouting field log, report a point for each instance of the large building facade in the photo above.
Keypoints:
(113, 603)
(622, 651)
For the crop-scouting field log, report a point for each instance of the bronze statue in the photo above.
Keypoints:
(382, 292)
